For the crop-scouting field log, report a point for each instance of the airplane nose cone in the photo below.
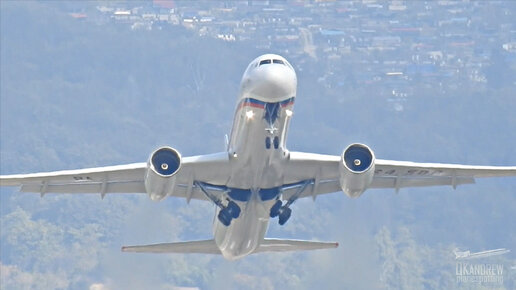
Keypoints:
(274, 83)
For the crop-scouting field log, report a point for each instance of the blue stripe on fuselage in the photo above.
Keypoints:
(250, 102)
(287, 102)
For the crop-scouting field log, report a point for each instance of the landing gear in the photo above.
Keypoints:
(283, 212)
(233, 209)
(269, 143)
(284, 215)
(275, 209)
(276, 142)
(224, 217)
(227, 212)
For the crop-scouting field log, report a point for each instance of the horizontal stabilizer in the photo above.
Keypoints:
(277, 245)
(209, 247)
(201, 247)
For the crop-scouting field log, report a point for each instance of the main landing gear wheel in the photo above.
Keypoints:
(233, 209)
(284, 215)
(275, 209)
(227, 212)
(224, 217)
(276, 142)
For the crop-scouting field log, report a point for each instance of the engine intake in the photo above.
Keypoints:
(163, 165)
(356, 169)
(165, 161)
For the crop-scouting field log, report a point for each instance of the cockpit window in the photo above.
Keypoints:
(265, 61)
(278, 61)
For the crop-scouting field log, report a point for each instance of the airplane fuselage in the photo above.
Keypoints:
(257, 152)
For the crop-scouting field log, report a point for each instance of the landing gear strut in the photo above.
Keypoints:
(283, 212)
(227, 212)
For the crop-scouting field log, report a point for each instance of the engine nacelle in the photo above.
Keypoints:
(356, 169)
(163, 165)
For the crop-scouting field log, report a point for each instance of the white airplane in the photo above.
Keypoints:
(467, 255)
(256, 178)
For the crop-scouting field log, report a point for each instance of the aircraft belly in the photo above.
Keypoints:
(243, 236)
(256, 163)
(253, 165)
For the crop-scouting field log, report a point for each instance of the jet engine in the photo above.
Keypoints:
(356, 169)
(163, 165)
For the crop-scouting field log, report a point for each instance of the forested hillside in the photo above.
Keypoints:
(75, 95)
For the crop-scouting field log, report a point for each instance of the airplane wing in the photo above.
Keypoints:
(209, 247)
(123, 178)
(399, 174)
(323, 170)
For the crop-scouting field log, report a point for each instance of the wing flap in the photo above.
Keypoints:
(402, 182)
(199, 247)
(278, 245)
(322, 187)
(87, 187)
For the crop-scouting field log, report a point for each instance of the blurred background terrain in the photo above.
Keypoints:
(97, 83)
